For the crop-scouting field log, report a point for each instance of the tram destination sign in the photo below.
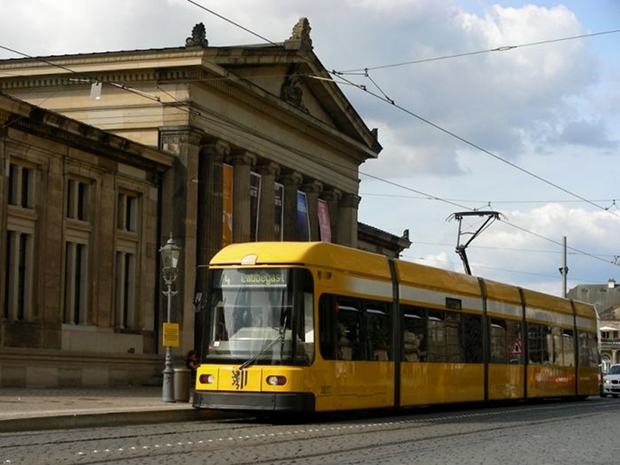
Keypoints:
(254, 278)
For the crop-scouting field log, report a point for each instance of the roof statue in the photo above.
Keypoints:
(291, 91)
(300, 39)
(198, 38)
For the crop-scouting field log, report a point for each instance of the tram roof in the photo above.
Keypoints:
(318, 254)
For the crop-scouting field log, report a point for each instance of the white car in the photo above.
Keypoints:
(611, 382)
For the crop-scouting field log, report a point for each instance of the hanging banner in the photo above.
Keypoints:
(324, 225)
(227, 204)
(278, 230)
(303, 220)
(255, 185)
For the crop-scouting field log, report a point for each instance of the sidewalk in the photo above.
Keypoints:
(29, 409)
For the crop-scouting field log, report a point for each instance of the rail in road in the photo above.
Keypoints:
(554, 432)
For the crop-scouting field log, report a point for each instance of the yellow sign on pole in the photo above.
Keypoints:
(171, 335)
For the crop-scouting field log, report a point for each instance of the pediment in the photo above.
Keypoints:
(302, 83)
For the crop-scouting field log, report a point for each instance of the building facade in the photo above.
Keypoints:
(79, 228)
(606, 301)
(265, 147)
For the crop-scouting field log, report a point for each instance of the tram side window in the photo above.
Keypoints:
(349, 330)
(327, 322)
(505, 339)
(588, 349)
(378, 330)
(557, 350)
(437, 336)
(498, 338)
(568, 347)
(414, 337)
(539, 343)
(472, 338)
(454, 346)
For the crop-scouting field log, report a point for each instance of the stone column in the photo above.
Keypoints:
(332, 197)
(266, 214)
(179, 207)
(291, 181)
(313, 189)
(347, 219)
(210, 185)
(242, 168)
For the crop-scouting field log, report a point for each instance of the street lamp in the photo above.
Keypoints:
(170, 260)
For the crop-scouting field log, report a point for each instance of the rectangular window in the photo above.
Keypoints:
(568, 347)
(453, 337)
(379, 331)
(414, 337)
(76, 274)
(125, 315)
(556, 346)
(437, 336)
(539, 343)
(18, 277)
(505, 341)
(472, 338)
(127, 212)
(349, 336)
(588, 349)
(78, 205)
(21, 186)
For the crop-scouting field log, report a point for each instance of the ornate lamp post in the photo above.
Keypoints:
(170, 260)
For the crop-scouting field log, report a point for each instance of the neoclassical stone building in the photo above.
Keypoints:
(79, 231)
(264, 147)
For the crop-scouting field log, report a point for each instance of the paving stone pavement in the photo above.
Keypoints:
(28, 409)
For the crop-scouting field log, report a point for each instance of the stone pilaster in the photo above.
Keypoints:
(242, 168)
(347, 219)
(266, 216)
(291, 181)
(313, 189)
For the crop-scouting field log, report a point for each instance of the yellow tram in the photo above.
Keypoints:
(315, 326)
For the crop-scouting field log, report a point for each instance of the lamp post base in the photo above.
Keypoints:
(167, 393)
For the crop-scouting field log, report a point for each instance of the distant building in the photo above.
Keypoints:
(210, 144)
(606, 300)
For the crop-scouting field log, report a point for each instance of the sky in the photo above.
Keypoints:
(510, 107)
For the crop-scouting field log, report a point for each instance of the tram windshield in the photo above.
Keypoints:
(261, 316)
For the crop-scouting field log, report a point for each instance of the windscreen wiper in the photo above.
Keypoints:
(265, 348)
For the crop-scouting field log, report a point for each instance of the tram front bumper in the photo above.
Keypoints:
(254, 401)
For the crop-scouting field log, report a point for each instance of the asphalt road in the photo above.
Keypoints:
(549, 433)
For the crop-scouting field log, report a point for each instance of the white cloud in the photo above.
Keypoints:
(552, 109)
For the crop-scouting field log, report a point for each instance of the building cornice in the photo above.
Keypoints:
(34, 120)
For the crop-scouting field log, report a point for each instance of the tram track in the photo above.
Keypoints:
(255, 443)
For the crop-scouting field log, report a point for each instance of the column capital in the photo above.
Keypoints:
(219, 147)
(350, 200)
(292, 178)
(332, 195)
(172, 138)
(270, 168)
(242, 158)
(312, 187)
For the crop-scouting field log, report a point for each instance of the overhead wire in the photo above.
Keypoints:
(482, 149)
(505, 48)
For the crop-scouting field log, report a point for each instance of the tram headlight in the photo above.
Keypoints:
(275, 380)
(207, 379)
